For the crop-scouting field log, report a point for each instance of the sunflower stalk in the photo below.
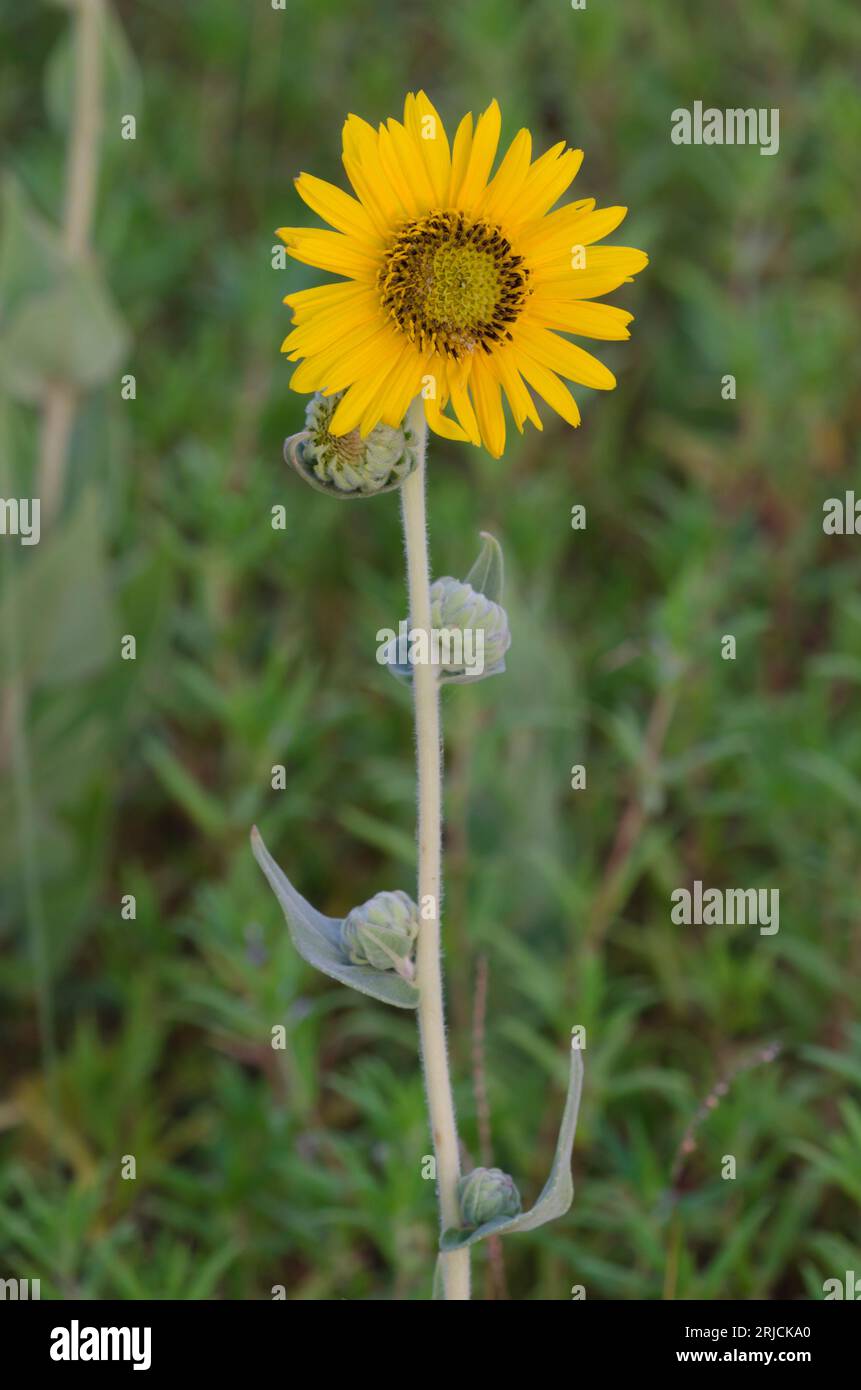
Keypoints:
(458, 286)
(431, 1007)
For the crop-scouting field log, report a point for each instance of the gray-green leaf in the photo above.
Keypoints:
(558, 1192)
(66, 581)
(318, 940)
(57, 318)
(70, 333)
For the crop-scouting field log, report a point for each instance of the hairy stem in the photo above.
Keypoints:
(431, 1012)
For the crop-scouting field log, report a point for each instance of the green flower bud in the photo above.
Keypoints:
(346, 465)
(455, 604)
(486, 1193)
(382, 933)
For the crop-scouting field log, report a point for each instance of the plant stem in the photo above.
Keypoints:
(431, 1012)
(82, 168)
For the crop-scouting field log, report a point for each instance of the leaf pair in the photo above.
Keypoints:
(318, 939)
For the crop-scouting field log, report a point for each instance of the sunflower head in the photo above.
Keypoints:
(453, 284)
(458, 285)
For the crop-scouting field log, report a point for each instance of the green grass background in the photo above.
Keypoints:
(254, 647)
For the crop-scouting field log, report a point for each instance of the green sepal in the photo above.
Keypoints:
(318, 940)
(558, 1192)
(488, 573)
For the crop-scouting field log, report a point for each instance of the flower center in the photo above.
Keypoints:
(452, 284)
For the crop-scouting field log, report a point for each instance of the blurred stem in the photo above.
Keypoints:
(82, 170)
(59, 402)
(83, 155)
(431, 1010)
(14, 736)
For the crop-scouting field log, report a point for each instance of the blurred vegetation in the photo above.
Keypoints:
(151, 1037)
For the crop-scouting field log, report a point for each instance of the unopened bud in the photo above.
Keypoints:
(486, 1193)
(346, 465)
(382, 933)
(455, 604)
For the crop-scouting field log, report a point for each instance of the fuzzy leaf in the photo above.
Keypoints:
(66, 580)
(57, 319)
(318, 940)
(558, 1192)
(488, 572)
(29, 249)
(71, 333)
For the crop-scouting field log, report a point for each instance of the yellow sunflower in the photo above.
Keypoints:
(458, 285)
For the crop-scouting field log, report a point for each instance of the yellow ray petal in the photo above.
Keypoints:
(606, 268)
(581, 317)
(506, 186)
(458, 377)
(481, 158)
(486, 393)
(358, 137)
(384, 349)
(390, 403)
(442, 425)
(361, 160)
(337, 208)
(545, 184)
(401, 157)
(556, 236)
(424, 124)
(343, 362)
(563, 357)
(330, 251)
(522, 404)
(461, 152)
(352, 407)
(306, 303)
(330, 326)
(550, 388)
